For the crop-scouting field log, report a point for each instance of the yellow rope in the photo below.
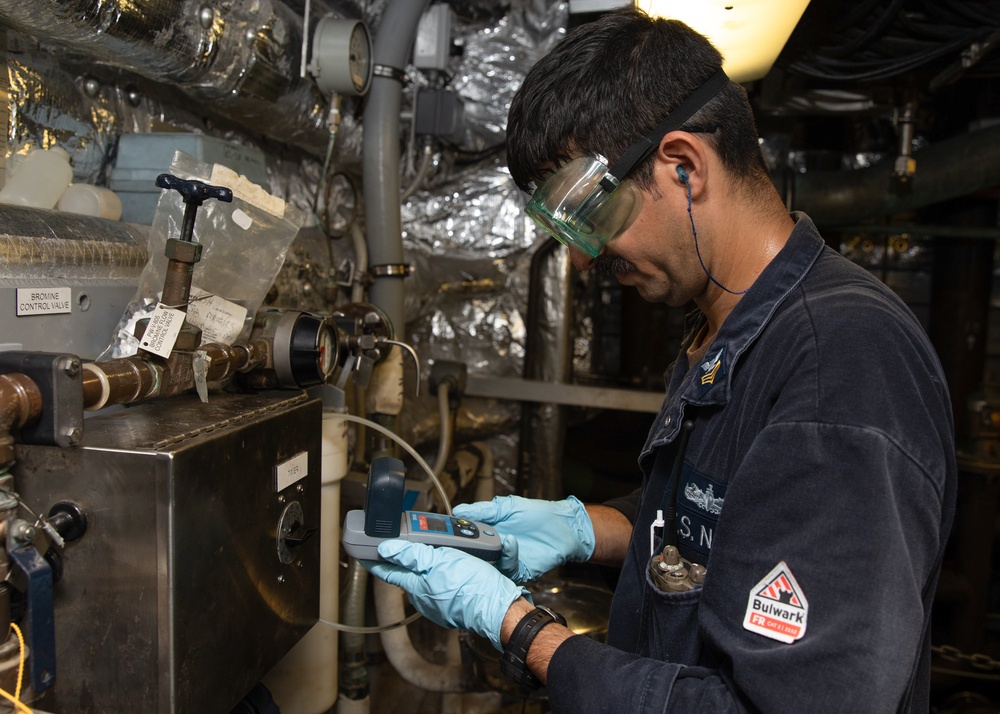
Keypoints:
(16, 699)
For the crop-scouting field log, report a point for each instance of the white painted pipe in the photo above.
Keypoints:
(305, 680)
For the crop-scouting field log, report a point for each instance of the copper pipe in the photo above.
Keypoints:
(20, 404)
(177, 284)
(20, 401)
(129, 380)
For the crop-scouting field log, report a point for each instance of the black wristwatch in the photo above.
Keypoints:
(514, 661)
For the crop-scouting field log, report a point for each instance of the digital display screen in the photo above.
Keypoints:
(429, 523)
(437, 525)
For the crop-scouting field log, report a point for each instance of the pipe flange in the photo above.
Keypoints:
(390, 270)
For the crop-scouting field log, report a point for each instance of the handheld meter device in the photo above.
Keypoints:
(383, 518)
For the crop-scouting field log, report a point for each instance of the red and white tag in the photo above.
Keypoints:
(777, 608)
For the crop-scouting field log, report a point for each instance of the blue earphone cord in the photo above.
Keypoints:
(697, 249)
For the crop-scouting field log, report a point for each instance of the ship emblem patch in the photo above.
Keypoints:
(777, 608)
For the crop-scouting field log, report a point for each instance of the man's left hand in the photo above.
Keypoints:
(448, 587)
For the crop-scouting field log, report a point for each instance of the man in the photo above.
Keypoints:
(803, 461)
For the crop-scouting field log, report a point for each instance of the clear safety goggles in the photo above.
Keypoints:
(581, 207)
(584, 204)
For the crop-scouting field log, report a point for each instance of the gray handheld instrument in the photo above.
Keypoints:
(383, 518)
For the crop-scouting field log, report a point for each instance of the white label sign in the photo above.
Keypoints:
(44, 301)
(161, 332)
(288, 472)
(219, 319)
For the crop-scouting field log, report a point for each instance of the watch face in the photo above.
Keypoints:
(360, 56)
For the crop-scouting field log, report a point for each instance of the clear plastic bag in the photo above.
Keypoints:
(244, 245)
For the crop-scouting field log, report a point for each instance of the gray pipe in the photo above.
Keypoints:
(380, 153)
(950, 169)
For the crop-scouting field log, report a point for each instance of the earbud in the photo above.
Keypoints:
(682, 174)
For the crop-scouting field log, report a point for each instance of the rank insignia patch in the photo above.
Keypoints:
(711, 368)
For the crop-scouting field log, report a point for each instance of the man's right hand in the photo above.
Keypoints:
(537, 535)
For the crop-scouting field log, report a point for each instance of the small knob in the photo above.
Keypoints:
(671, 556)
(69, 519)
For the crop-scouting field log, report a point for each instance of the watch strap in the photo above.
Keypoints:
(514, 661)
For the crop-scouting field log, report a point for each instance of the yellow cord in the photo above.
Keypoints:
(16, 699)
(20, 664)
(18, 704)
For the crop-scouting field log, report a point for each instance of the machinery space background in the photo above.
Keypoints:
(171, 524)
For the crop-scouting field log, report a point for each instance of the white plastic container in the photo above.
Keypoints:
(40, 179)
(91, 201)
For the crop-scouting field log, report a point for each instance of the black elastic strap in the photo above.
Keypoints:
(514, 662)
(645, 146)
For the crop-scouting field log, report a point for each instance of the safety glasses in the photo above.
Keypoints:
(584, 204)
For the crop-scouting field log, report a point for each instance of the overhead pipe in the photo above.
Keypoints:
(957, 167)
(240, 60)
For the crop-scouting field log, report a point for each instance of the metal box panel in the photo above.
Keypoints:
(176, 600)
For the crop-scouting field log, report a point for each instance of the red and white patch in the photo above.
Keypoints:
(777, 608)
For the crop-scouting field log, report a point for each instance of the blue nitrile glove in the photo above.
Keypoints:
(546, 534)
(448, 587)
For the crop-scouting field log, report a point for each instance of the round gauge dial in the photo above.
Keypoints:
(360, 58)
(341, 56)
(326, 345)
(306, 349)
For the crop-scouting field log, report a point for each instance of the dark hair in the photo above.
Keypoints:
(610, 82)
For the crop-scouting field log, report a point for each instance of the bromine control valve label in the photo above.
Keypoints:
(44, 301)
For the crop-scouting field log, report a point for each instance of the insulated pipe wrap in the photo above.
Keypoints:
(37, 244)
(243, 58)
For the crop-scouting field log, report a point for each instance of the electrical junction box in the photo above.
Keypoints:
(432, 45)
(439, 113)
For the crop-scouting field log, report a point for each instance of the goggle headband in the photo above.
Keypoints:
(642, 148)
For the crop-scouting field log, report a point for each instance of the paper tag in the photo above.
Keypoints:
(199, 366)
(246, 190)
(161, 332)
(218, 319)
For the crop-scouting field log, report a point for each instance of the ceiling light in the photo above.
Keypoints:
(748, 33)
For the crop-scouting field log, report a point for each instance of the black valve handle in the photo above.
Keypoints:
(194, 194)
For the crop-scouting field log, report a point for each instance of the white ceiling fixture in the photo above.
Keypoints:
(748, 33)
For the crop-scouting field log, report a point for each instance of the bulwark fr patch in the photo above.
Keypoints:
(777, 608)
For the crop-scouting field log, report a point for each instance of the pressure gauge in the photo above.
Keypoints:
(306, 349)
(341, 56)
